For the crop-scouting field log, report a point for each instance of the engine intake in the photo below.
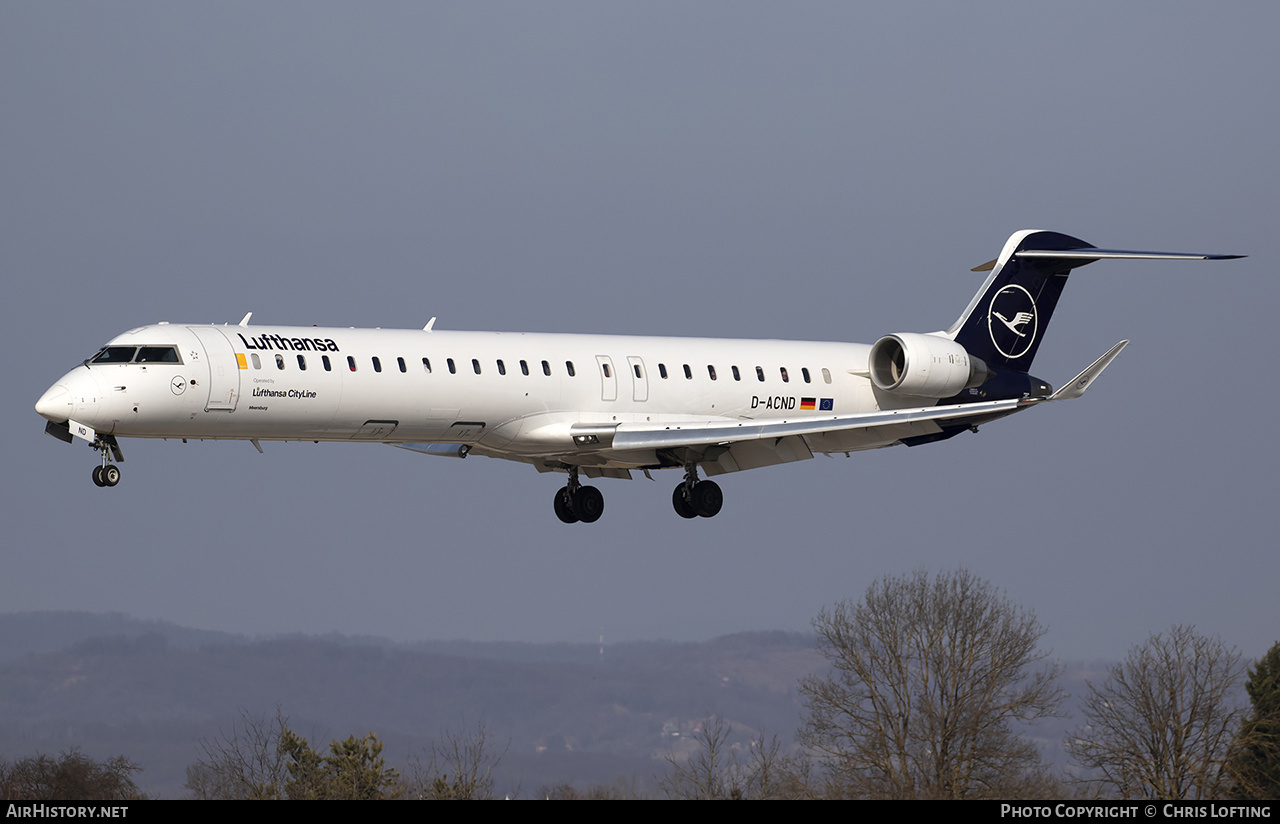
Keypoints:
(926, 366)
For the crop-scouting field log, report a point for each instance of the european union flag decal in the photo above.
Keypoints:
(826, 405)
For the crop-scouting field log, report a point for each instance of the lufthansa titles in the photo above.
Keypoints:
(279, 342)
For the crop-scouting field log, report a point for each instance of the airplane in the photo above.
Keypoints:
(593, 405)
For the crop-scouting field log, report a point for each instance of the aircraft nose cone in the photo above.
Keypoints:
(55, 404)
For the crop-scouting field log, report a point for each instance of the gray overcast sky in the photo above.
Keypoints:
(801, 170)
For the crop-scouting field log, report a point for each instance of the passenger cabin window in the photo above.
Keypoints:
(688, 373)
(785, 379)
(546, 368)
(502, 367)
(115, 354)
(711, 370)
(377, 365)
(279, 361)
(257, 361)
(826, 375)
(426, 365)
(568, 367)
(302, 363)
(453, 370)
(475, 364)
(760, 374)
(400, 362)
(737, 376)
(804, 370)
(351, 363)
(328, 367)
(524, 367)
(158, 354)
(662, 370)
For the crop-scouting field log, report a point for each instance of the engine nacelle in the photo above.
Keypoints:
(926, 366)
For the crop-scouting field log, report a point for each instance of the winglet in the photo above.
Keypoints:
(244, 321)
(1076, 386)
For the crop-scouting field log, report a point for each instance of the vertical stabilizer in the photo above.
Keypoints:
(1006, 319)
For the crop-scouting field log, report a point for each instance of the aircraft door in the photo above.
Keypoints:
(608, 378)
(224, 367)
(639, 379)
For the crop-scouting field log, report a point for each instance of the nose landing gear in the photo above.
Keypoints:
(108, 474)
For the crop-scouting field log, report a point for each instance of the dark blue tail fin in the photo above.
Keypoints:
(1005, 321)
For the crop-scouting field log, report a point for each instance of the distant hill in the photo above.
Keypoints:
(111, 684)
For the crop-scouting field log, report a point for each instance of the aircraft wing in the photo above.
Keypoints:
(629, 436)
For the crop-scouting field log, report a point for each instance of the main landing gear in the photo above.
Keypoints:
(575, 502)
(108, 474)
(693, 498)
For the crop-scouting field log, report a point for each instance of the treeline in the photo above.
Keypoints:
(934, 684)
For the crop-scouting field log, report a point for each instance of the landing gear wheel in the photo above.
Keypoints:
(588, 504)
(707, 498)
(683, 508)
(564, 509)
(110, 475)
(97, 476)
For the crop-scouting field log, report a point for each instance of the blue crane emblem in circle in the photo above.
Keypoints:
(1012, 321)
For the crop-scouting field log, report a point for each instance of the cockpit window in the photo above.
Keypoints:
(115, 354)
(158, 354)
(137, 354)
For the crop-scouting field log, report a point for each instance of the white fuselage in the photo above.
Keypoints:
(510, 395)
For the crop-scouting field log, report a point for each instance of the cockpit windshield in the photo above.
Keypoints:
(158, 354)
(137, 354)
(114, 354)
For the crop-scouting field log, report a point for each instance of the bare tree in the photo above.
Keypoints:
(246, 763)
(72, 776)
(620, 790)
(264, 759)
(929, 677)
(716, 771)
(1163, 723)
(460, 766)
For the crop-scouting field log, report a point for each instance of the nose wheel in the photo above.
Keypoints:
(574, 502)
(108, 474)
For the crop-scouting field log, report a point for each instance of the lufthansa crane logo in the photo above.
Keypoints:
(1012, 321)
(178, 385)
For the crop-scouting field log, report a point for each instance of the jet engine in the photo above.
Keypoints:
(926, 366)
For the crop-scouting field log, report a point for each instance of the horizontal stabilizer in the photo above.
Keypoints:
(1076, 386)
(1117, 254)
